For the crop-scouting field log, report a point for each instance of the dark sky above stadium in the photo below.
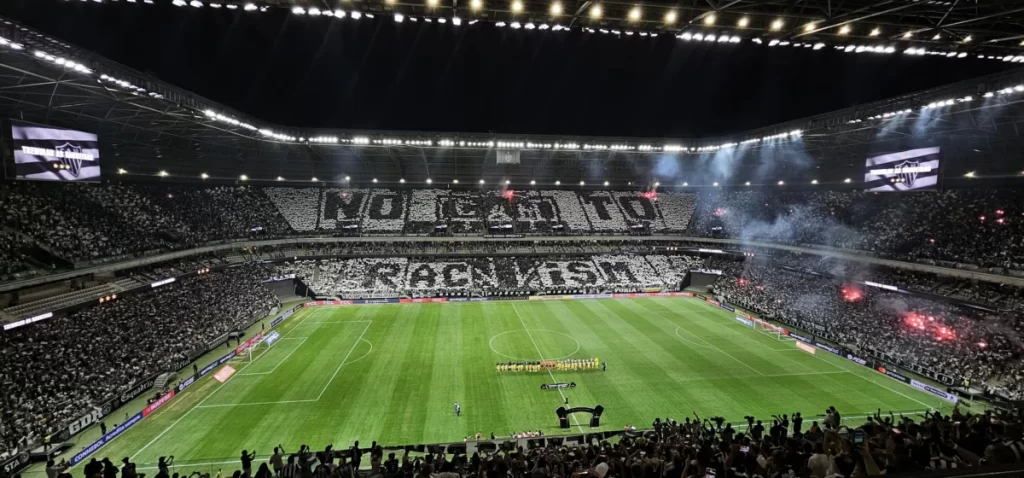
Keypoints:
(377, 74)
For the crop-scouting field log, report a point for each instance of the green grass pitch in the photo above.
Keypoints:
(392, 373)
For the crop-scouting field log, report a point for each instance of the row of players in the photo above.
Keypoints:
(546, 365)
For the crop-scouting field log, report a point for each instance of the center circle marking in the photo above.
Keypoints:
(530, 359)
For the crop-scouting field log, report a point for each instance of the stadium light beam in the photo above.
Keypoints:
(671, 17)
(595, 11)
(710, 19)
(743, 22)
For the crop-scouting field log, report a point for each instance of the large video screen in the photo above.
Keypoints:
(903, 171)
(47, 153)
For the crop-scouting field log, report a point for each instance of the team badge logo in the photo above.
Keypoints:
(908, 177)
(74, 165)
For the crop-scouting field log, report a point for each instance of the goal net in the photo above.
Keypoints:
(770, 330)
(253, 348)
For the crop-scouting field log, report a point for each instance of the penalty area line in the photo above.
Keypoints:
(201, 402)
(345, 360)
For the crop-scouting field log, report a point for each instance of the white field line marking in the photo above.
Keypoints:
(285, 359)
(858, 376)
(349, 354)
(365, 355)
(305, 318)
(748, 337)
(541, 355)
(807, 373)
(743, 377)
(332, 322)
(695, 344)
(201, 402)
(221, 405)
(873, 382)
(727, 354)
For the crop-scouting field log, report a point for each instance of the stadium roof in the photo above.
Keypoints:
(147, 126)
(948, 25)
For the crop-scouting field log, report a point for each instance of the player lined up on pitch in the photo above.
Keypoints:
(547, 365)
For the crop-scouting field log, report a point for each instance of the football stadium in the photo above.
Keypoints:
(511, 239)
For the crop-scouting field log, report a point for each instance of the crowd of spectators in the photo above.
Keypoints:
(69, 220)
(1005, 297)
(84, 362)
(79, 222)
(56, 370)
(937, 339)
(86, 221)
(973, 226)
(12, 256)
(424, 277)
(819, 446)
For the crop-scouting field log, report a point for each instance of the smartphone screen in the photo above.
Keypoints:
(858, 436)
(744, 449)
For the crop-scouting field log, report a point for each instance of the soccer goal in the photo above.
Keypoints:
(770, 330)
(255, 347)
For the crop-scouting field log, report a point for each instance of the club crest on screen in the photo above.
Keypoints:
(74, 164)
(908, 173)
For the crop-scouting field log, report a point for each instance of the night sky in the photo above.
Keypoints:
(377, 74)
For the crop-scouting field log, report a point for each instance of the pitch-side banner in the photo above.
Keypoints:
(949, 397)
(903, 171)
(47, 153)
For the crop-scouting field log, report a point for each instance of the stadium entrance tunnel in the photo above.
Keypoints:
(595, 415)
